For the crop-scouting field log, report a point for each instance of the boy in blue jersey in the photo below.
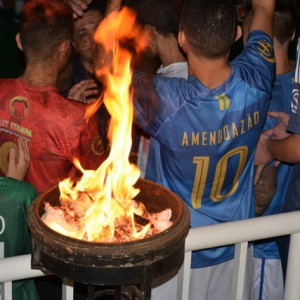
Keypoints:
(208, 127)
(285, 148)
(268, 280)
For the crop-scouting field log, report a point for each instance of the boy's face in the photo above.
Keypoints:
(83, 34)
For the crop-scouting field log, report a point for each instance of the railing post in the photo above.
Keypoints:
(239, 268)
(7, 290)
(67, 289)
(184, 277)
(292, 286)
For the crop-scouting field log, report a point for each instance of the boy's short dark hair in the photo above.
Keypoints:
(98, 6)
(44, 26)
(285, 20)
(163, 15)
(210, 26)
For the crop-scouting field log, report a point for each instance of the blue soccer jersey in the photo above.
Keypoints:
(292, 202)
(294, 123)
(281, 101)
(207, 138)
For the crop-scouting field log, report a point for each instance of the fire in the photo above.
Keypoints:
(102, 199)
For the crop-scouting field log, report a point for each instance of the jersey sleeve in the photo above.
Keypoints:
(256, 63)
(146, 101)
(294, 122)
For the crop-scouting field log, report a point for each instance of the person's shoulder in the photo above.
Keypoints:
(286, 77)
(14, 188)
(29, 189)
(178, 70)
(8, 81)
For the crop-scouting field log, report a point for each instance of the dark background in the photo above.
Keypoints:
(11, 58)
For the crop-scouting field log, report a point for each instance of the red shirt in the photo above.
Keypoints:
(55, 127)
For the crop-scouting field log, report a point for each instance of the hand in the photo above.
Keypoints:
(279, 131)
(18, 160)
(262, 156)
(85, 91)
(78, 6)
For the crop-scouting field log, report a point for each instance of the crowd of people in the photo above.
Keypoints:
(220, 132)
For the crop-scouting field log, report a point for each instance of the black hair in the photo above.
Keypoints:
(210, 26)
(99, 5)
(44, 26)
(285, 20)
(163, 15)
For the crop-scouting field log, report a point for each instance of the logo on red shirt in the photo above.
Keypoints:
(19, 107)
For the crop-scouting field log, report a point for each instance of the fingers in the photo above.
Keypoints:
(270, 133)
(85, 91)
(258, 172)
(89, 96)
(265, 135)
(18, 160)
(23, 151)
(12, 158)
(83, 85)
(78, 6)
(279, 131)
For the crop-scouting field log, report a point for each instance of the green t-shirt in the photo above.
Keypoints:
(15, 199)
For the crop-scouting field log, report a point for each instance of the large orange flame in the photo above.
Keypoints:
(111, 187)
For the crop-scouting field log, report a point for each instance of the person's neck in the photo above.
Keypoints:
(211, 72)
(40, 75)
(283, 64)
(169, 51)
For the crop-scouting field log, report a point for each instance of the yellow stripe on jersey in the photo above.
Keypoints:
(224, 101)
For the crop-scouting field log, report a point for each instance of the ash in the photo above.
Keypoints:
(70, 219)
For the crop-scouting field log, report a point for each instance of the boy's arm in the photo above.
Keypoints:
(263, 16)
(287, 149)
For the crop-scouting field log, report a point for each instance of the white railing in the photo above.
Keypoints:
(238, 233)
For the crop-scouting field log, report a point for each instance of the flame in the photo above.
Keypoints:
(110, 188)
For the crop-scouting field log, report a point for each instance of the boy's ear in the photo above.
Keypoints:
(239, 32)
(18, 41)
(293, 36)
(65, 46)
(182, 40)
(64, 51)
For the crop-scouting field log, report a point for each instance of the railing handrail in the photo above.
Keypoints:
(238, 231)
(17, 268)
